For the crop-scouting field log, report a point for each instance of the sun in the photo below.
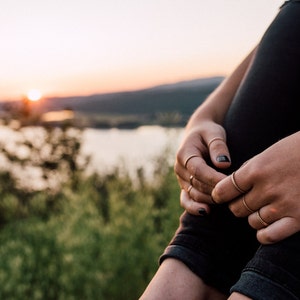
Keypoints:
(34, 95)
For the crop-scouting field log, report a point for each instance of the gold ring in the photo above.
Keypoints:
(246, 205)
(261, 220)
(191, 180)
(213, 140)
(189, 190)
(187, 160)
(235, 184)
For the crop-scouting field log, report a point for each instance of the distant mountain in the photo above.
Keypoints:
(169, 104)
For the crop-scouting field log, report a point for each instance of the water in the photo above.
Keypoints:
(130, 149)
(109, 148)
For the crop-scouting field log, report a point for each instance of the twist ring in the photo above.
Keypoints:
(191, 180)
(235, 184)
(187, 160)
(213, 140)
(246, 205)
(261, 220)
(189, 190)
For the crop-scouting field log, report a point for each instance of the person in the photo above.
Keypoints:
(239, 168)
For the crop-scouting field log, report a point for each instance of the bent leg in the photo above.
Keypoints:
(174, 280)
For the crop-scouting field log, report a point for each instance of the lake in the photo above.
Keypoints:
(108, 148)
(130, 149)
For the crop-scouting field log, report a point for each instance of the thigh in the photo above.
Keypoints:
(215, 247)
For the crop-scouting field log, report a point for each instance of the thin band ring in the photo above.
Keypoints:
(191, 180)
(213, 140)
(246, 205)
(235, 184)
(261, 220)
(189, 190)
(187, 160)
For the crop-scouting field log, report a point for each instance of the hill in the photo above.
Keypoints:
(167, 105)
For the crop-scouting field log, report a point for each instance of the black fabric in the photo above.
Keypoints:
(264, 110)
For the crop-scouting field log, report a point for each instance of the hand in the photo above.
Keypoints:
(272, 198)
(202, 145)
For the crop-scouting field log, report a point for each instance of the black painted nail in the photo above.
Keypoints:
(223, 158)
(202, 212)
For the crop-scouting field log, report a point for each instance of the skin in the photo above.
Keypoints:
(203, 126)
(270, 180)
(173, 280)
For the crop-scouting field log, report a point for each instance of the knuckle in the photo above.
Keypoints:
(218, 193)
(236, 210)
(251, 223)
(194, 170)
(176, 167)
(266, 238)
(179, 156)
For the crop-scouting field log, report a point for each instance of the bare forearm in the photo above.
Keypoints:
(216, 105)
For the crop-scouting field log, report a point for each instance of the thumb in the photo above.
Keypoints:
(219, 153)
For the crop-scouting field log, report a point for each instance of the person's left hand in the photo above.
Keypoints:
(271, 197)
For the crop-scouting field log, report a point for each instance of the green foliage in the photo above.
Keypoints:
(88, 237)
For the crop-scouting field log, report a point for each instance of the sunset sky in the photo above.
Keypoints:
(81, 47)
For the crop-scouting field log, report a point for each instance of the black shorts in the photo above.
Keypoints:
(221, 248)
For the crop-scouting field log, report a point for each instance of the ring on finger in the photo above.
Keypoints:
(246, 205)
(235, 184)
(261, 220)
(189, 157)
(213, 140)
(191, 180)
(189, 190)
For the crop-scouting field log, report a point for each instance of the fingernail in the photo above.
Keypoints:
(202, 212)
(223, 158)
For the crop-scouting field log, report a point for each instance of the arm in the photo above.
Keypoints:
(204, 125)
(216, 105)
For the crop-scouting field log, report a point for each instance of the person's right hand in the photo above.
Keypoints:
(202, 147)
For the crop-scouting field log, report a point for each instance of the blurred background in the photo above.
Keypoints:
(94, 97)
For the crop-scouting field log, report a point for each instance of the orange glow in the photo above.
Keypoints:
(34, 95)
(56, 116)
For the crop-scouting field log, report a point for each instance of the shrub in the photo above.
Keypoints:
(101, 240)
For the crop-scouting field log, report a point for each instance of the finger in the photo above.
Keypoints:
(265, 215)
(198, 196)
(230, 187)
(240, 207)
(219, 153)
(204, 177)
(192, 207)
(186, 154)
(224, 191)
(204, 173)
(278, 231)
(185, 179)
